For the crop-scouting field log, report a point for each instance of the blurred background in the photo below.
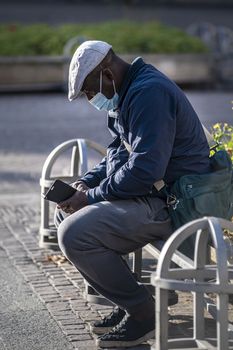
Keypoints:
(189, 40)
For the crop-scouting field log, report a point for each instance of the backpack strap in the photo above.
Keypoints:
(160, 183)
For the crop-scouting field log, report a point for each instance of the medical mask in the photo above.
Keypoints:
(101, 102)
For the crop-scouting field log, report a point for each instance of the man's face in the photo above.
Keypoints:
(91, 85)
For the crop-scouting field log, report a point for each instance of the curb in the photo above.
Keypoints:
(50, 72)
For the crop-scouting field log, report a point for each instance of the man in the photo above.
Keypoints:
(118, 207)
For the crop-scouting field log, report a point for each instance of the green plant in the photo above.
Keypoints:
(223, 136)
(125, 37)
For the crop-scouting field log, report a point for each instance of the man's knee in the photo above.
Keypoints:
(65, 237)
(73, 234)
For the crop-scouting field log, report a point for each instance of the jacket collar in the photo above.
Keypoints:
(137, 64)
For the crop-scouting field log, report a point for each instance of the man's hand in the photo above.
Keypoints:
(80, 185)
(77, 201)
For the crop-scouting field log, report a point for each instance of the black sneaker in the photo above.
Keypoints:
(129, 332)
(108, 322)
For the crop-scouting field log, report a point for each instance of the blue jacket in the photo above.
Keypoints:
(167, 139)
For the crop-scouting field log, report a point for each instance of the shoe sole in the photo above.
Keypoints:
(125, 344)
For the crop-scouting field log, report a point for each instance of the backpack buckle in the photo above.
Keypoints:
(172, 201)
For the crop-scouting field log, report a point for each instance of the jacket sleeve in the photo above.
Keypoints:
(116, 154)
(152, 128)
(93, 177)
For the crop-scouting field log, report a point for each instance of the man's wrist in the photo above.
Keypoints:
(94, 195)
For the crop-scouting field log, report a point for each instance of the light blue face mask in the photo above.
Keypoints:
(101, 102)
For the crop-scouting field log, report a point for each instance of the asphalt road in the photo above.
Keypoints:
(25, 323)
(36, 123)
(31, 125)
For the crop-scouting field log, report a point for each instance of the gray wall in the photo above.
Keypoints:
(198, 3)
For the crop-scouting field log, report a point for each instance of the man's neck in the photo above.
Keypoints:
(122, 69)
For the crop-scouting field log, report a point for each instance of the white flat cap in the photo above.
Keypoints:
(86, 58)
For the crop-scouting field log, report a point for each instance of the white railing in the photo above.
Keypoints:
(78, 166)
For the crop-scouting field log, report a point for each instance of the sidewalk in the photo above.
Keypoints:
(56, 287)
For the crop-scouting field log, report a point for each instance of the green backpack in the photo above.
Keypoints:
(195, 196)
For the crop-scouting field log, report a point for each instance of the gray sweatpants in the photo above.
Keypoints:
(95, 238)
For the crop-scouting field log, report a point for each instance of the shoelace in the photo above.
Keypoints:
(119, 328)
(112, 315)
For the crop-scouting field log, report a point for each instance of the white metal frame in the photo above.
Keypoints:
(199, 278)
(78, 166)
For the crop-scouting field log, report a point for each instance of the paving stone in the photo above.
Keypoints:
(73, 273)
(22, 262)
(79, 308)
(47, 295)
(69, 322)
(86, 347)
(41, 260)
(79, 305)
(67, 266)
(35, 275)
(103, 308)
(45, 263)
(73, 322)
(58, 282)
(28, 269)
(78, 284)
(71, 328)
(88, 315)
(58, 306)
(34, 279)
(40, 283)
(79, 302)
(68, 289)
(79, 337)
(51, 267)
(58, 276)
(44, 289)
(85, 343)
(53, 274)
(48, 299)
(76, 332)
(62, 286)
(69, 316)
(68, 297)
(75, 278)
